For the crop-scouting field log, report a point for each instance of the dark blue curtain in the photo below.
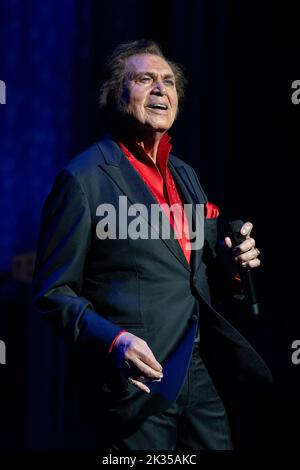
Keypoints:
(236, 130)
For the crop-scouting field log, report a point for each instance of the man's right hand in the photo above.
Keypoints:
(135, 359)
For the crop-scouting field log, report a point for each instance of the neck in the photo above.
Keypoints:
(150, 143)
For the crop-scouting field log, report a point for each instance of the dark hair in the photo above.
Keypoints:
(112, 86)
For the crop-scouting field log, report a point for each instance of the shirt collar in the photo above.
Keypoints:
(163, 152)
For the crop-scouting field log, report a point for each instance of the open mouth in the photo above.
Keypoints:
(158, 106)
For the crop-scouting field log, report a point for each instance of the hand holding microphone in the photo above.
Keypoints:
(246, 254)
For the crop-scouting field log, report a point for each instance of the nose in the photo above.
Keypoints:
(159, 88)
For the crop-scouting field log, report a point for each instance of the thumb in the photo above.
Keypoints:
(227, 242)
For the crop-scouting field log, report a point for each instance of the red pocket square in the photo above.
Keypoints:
(211, 211)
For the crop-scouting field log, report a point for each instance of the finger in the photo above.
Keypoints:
(135, 367)
(254, 263)
(245, 246)
(246, 229)
(146, 370)
(248, 256)
(228, 242)
(143, 379)
(148, 358)
(139, 385)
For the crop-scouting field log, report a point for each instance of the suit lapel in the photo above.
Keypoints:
(120, 170)
(184, 182)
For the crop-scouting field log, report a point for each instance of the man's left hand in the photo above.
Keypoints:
(245, 254)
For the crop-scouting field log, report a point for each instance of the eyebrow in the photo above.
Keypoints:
(152, 75)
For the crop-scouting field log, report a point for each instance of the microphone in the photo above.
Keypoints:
(246, 274)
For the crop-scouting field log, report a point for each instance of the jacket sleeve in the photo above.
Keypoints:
(64, 242)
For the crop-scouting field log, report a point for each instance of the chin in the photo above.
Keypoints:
(159, 126)
(158, 129)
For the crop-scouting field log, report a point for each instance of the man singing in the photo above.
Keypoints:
(138, 306)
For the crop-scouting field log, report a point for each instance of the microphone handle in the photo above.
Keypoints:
(246, 274)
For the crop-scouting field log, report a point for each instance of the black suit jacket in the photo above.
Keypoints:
(92, 289)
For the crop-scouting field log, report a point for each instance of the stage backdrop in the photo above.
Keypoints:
(236, 129)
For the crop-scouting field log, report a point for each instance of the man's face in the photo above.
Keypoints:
(150, 92)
